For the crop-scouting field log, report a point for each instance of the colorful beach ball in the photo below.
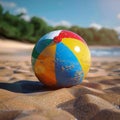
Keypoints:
(61, 59)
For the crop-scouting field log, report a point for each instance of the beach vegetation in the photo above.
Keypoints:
(17, 28)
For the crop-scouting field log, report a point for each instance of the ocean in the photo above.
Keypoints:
(105, 52)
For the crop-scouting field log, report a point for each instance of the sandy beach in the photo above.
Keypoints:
(23, 97)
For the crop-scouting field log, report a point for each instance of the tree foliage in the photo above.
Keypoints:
(14, 27)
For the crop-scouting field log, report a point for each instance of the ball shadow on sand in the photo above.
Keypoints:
(24, 86)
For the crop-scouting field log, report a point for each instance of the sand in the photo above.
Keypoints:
(23, 97)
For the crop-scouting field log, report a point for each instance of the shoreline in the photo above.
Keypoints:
(16, 51)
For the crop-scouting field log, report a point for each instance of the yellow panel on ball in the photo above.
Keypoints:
(81, 51)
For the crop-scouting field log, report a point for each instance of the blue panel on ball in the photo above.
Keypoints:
(67, 67)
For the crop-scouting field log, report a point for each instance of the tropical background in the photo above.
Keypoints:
(81, 17)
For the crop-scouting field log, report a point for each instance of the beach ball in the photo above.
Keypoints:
(61, 59)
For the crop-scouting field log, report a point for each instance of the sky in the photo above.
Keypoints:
(84, 13)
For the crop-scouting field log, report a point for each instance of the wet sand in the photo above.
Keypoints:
(23, 97)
